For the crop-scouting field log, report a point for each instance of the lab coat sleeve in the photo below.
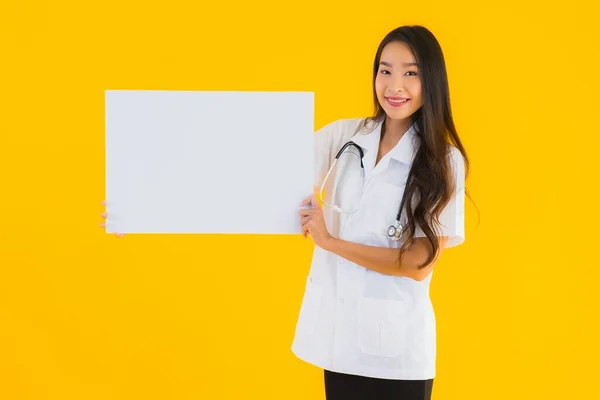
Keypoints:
(452, 218)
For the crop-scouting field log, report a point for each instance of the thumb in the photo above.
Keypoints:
(317, 195)
(315, 202)
(306, 201)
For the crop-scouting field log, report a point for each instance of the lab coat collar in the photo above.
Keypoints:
(404, 150)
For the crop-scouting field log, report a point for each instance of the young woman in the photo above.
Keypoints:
(392, 188)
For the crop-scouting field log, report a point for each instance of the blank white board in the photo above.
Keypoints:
(207, 162)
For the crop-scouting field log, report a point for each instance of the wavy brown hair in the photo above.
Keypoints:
(431, 185)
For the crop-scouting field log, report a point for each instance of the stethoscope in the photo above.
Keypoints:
(394, 231)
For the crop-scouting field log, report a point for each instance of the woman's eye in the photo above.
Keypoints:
(412, 72)
(384, 71)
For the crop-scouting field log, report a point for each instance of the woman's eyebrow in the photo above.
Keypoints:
(387, 64)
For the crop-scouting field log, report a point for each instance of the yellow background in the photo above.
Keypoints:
(86, 315)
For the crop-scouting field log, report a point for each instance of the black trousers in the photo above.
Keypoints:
(352, 387)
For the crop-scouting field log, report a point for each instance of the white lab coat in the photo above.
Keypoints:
(354, 320)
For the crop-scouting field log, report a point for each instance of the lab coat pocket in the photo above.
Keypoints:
(381, 327)
(309, 311)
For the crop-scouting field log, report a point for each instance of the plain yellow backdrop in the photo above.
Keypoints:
(86, 315)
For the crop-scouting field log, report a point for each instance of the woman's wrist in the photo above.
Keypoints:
(332, 244)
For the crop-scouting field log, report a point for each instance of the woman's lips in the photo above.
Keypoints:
(397, 101)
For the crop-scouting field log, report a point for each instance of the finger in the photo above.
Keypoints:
(306, 201)
(310, 211)
(306, 211)
(102, 224)
(304, 220)
(305, 231)
(315, 202)
(104, 215)
(103, 202)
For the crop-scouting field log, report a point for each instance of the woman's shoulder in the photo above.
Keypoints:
(345, 128)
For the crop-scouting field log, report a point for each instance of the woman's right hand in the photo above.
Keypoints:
(103, 224)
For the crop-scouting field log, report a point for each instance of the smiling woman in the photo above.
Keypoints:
(398, 84)
(366, 316)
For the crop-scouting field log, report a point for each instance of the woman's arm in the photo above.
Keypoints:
(381, 259)
(385, 260)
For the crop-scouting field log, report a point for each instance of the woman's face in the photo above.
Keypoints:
(398, 82)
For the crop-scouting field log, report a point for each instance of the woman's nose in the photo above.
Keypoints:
(397, 85)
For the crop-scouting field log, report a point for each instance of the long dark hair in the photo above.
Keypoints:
(431, 185)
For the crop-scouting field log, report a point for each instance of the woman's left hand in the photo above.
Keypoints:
(312, 222)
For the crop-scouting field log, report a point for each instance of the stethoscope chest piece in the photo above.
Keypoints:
(394, 231)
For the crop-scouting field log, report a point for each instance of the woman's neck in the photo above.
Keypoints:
(394, 130)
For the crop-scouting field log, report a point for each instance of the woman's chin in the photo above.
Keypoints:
(395, 113)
